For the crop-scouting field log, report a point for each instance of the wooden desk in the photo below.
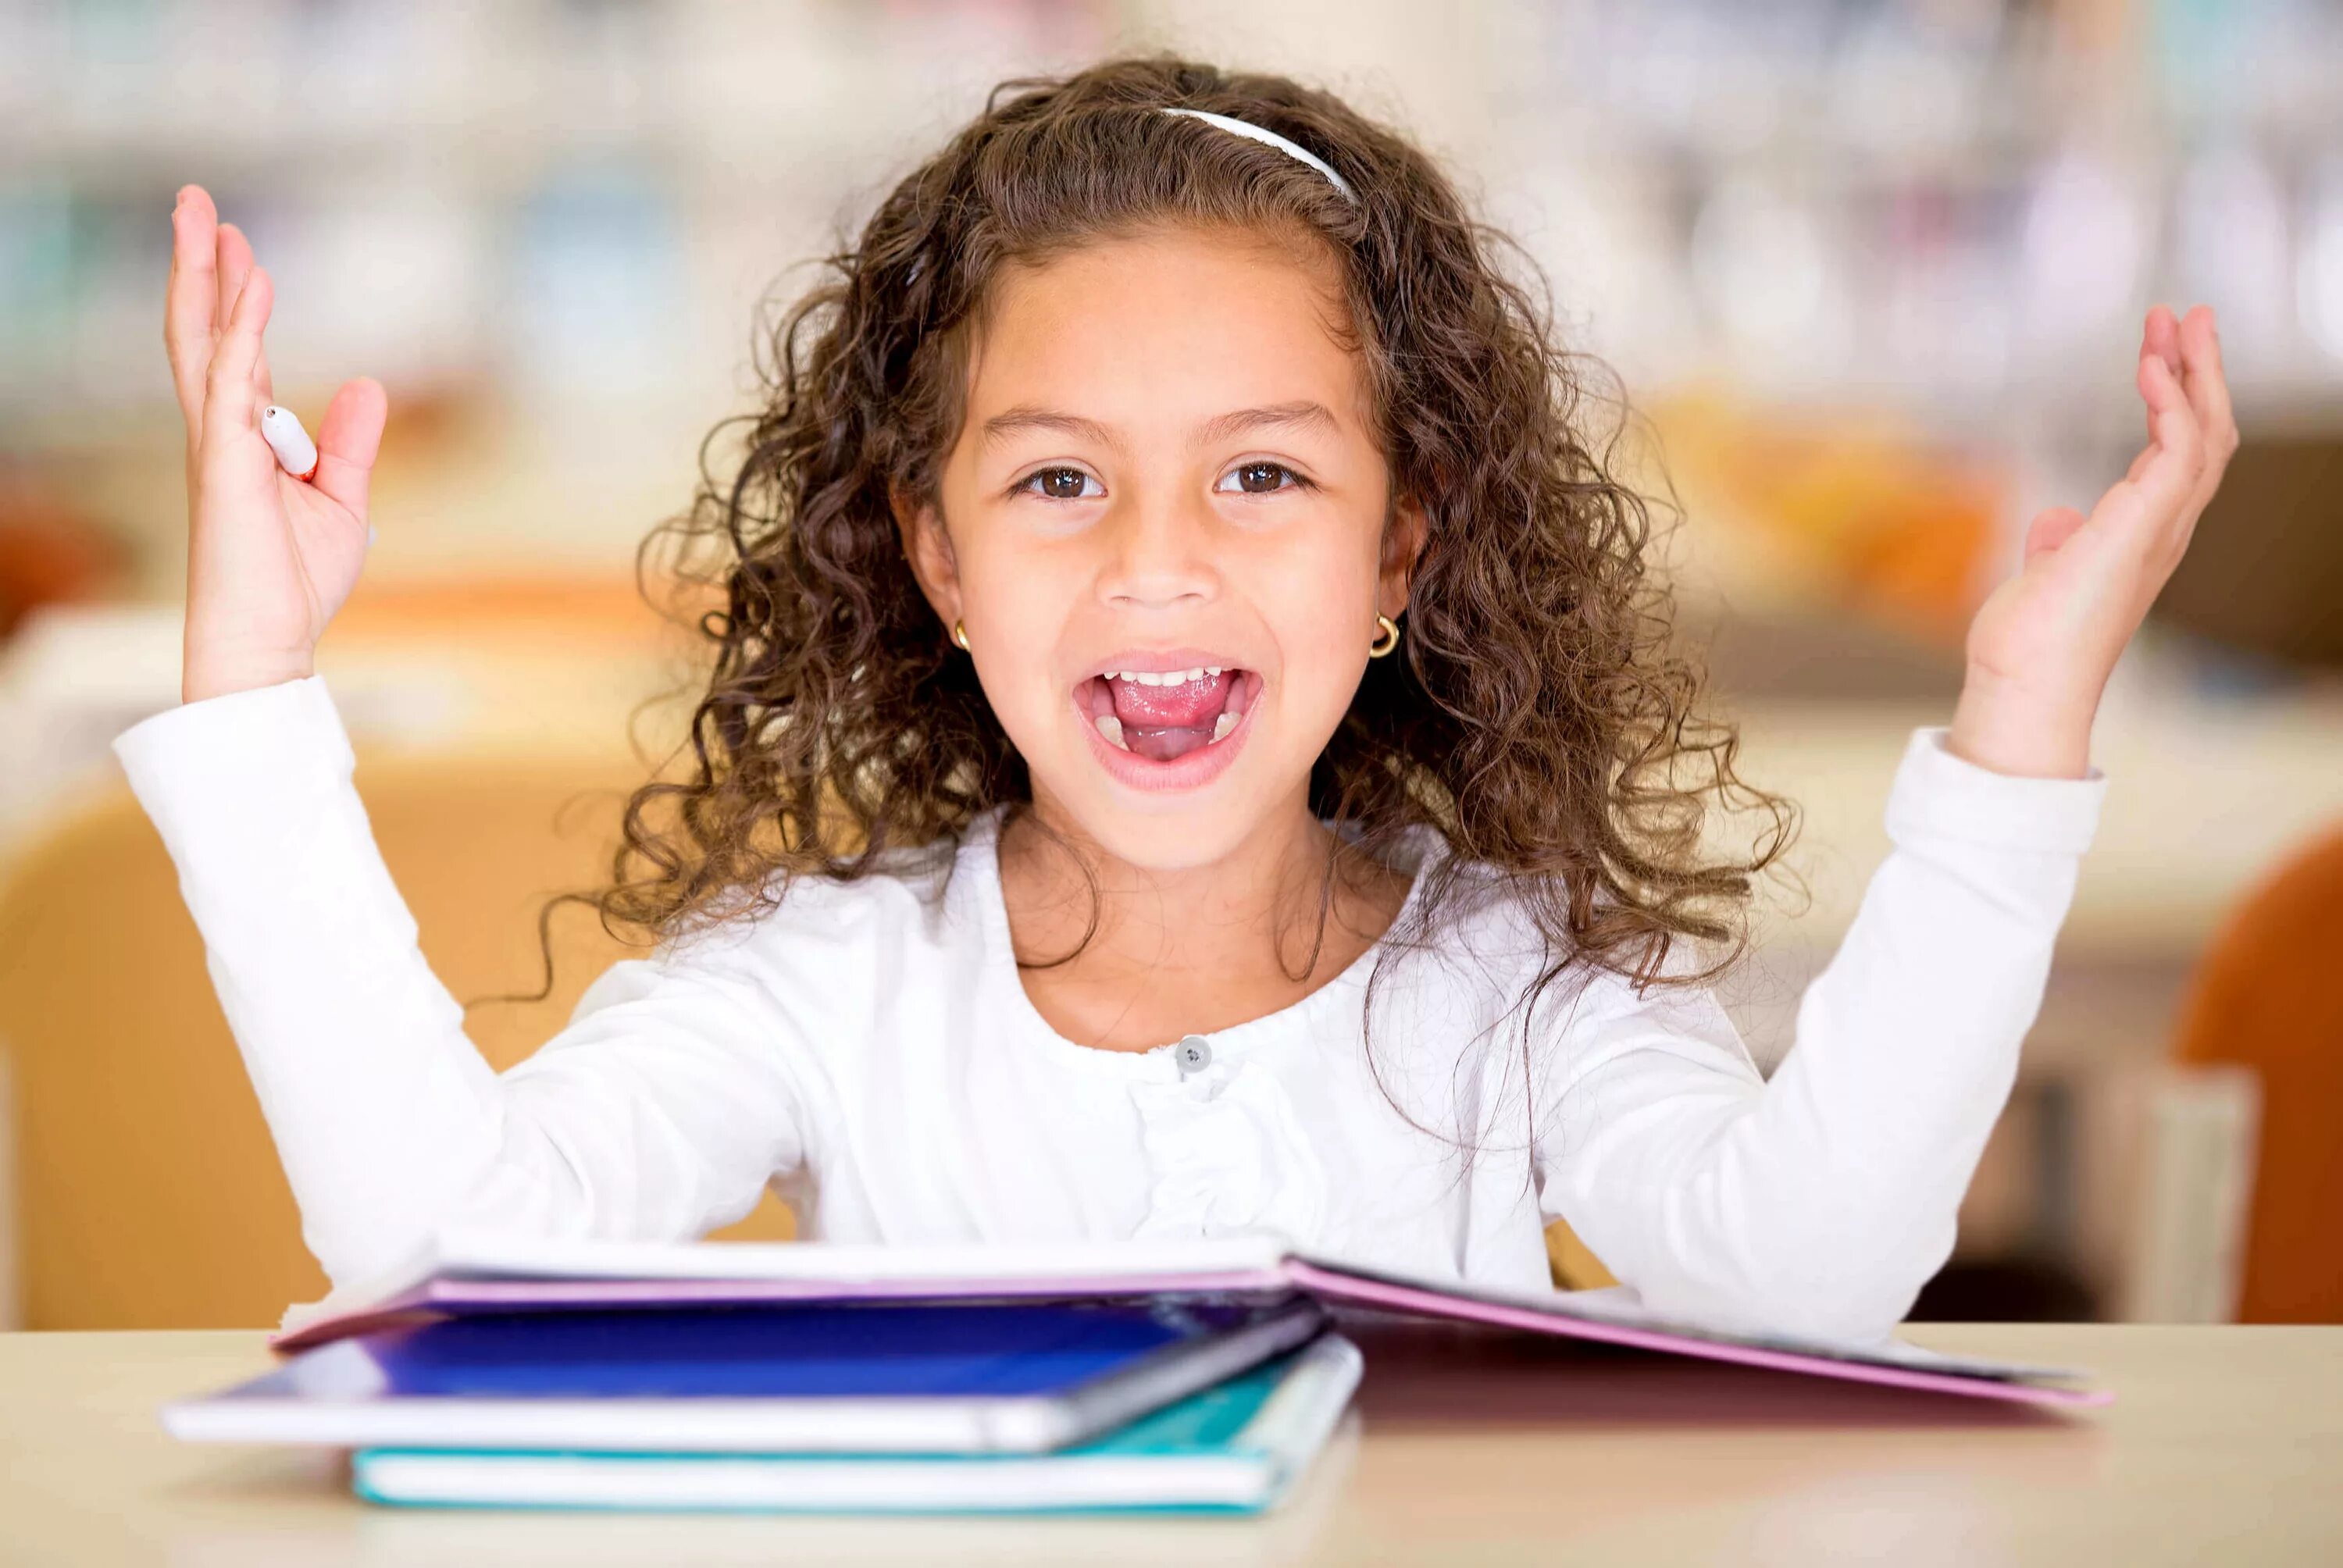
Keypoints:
(2224, 1444)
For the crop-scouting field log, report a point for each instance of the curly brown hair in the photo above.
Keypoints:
(1540, 719)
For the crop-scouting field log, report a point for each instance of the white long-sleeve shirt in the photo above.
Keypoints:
(869, 1051)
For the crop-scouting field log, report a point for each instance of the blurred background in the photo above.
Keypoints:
(1873, 275)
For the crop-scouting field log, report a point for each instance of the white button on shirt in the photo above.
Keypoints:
(869, 1051)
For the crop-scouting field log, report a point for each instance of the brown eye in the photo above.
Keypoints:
(1267, 474)
(1057, 484)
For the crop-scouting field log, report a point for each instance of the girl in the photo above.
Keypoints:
(1189, 749)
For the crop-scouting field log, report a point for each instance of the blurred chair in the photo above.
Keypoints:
(53, 550)
(2245, 1183)
(146, 1192)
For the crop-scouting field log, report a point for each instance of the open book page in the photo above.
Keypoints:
(466, 1272)
(483, 1268)
(1617, 1304)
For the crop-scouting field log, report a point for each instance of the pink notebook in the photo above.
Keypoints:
(466, 1272)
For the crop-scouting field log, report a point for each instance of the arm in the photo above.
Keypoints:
(1821, 1201)
(659, 1112)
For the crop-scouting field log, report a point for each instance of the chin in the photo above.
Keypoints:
(1168, 836)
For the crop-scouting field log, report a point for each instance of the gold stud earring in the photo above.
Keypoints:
(960, 635)
(1386, 636)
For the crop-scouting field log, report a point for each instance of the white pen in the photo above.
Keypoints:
(295, 453)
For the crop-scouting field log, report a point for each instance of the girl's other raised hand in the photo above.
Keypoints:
(2043, 645)
(270, 558)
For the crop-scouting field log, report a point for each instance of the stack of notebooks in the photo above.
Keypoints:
(506, 1372)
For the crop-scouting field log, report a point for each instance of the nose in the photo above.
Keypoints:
(1159, 553)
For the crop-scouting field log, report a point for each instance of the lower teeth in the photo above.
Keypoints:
(1223, 724)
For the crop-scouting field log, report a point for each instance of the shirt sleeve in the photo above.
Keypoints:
(1819, 1202)
(659, 1112)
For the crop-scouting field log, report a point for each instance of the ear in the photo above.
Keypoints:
(928, 549)
(1404, 533)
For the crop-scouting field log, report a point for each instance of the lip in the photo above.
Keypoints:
(1160, 662)
(1192, 770)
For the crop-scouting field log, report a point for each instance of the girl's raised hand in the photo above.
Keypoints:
(270, 558)
(2043, 645)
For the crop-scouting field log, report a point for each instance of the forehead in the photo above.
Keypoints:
(1156, 328)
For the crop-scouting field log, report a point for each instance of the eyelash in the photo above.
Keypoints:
(1023, 487)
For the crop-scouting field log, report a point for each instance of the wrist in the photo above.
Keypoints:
(208, 677)
(2025, 734)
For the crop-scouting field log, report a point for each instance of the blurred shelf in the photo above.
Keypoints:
(2205, 797)
(542, 179)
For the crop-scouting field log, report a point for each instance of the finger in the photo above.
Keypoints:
(236, 266)
(348, 438)
(230, 401)
(2207, 383)
(2178, 461)
(2146, 454)
(2052, 529)
(2161, 337)
(264, 389)
(191, 300)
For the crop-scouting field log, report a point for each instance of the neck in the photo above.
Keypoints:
(1187, 949)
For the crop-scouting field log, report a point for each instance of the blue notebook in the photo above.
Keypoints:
(1237, 1447)
(885, 1377)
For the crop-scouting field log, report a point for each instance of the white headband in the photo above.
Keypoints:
(1271, 139)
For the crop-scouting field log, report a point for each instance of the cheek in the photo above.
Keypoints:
(1016, 608)
(1324, 607)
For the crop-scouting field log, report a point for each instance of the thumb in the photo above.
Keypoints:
(348, 438)
(2052, 529)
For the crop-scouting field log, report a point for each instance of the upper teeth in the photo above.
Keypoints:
(1166, 677)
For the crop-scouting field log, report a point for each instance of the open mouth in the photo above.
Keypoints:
(1164, 715)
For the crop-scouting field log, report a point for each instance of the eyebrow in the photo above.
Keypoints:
(1301, 414)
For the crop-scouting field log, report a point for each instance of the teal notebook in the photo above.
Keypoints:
(1237, 1447)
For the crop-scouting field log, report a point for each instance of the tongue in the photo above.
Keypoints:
(1192, 705)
